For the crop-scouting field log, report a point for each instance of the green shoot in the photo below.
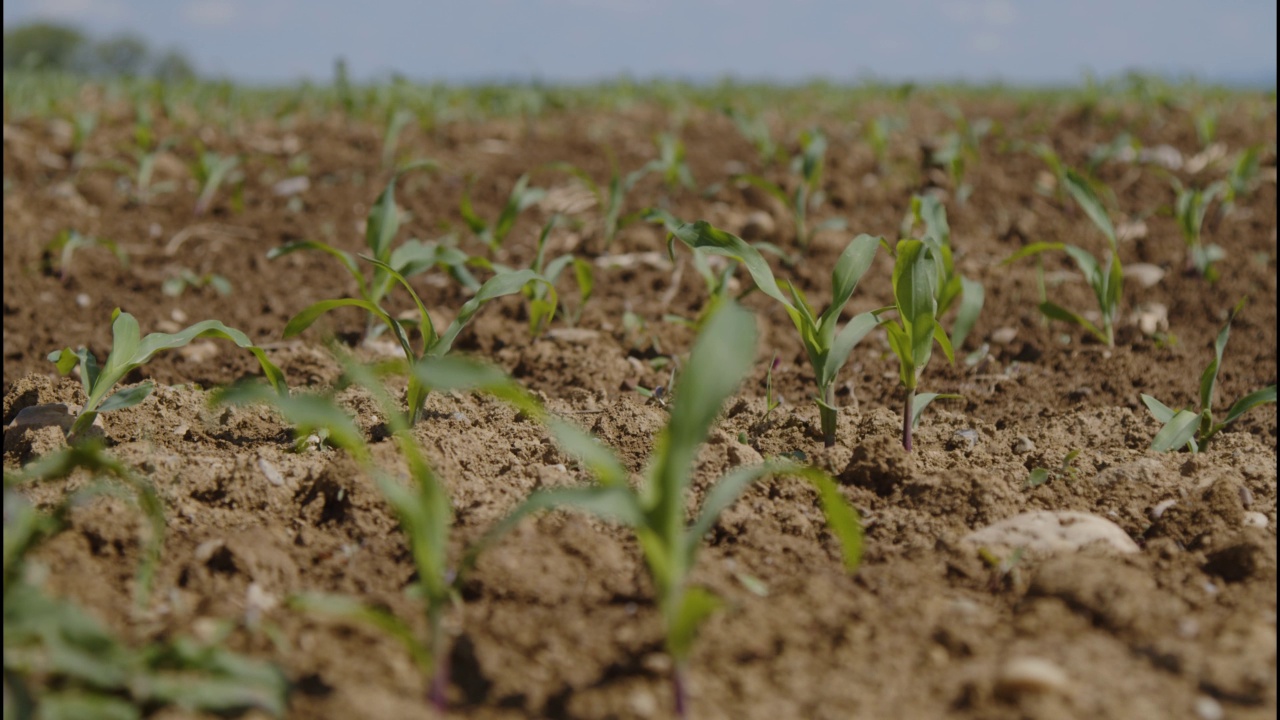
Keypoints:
(521, 198)
(186, 278)
(1194, 429)
(130, 351)
(878, 134)
(68, 242)
(671, 164)
(827, 350)
(1105, 277)
(541, 305)
(1189, 210)
(656, 511)
(756, 130)
(1066, 470)
(916, 328)
(807, 196)
(951, 284)
(433, 345)
(396, 122)
(61, 663)
(210, 171)
(958, 149)
(611, 199)
(1242, 177)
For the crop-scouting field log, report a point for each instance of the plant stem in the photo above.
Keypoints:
(829, 416)
(680, 689)
(906, 419)
(440, 673)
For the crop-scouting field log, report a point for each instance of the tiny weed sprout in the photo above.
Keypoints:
(1194, 429)
(828, 350)
(1040, 476)
(542, 305)
(1189, 210)
(1105, 277)
(916, 328)
(86, 671)
(807, 196)
(67, 243)
(521, 198)
(951, 285)
(129, 350)
(211, 170)
(721, 355)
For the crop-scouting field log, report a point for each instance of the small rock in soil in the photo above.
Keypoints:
(1047, 533)
(1255, 519)
(1031, 675)
(1023, 445)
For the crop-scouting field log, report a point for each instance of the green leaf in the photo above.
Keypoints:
(696, 605)
(848, 337)
(1034, 249)
(922, 401)
(508, 283)
(1249, 402)
(914, 280)
(850, 267)
(78, 705)
(1179, 431)
(971, 300)
(1084, 196)
(1054, 311)
(1161, 412)
(1039, 476)
(311, 313)
(383, 222)
(426, 327)
(703, 235)
(306, 413)
(722, 494)
(126, 398)
(347, 259)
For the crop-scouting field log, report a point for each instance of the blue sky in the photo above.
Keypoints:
(1016, 41)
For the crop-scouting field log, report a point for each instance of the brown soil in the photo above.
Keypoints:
(559, 621)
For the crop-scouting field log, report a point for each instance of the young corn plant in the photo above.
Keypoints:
(878, 133)
(656, 510)
(807, 196)
(61, 663)
(129, 350)
(187, 278)
(915, 329)
(211, 170)
(521, 198)
(958, 149)
(409, 258)
(670, 163)
(1105, 277)
(756, 131)
(67, 243)
(1194, 429)
(828, 350)
(1189, 210)
(542, 306)
(433, 344)
(612, 198)
(951, 285)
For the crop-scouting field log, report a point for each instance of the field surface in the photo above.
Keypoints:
(1175, 618)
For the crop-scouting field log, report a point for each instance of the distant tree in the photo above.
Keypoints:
(44, 46)
(125, 54)
(173, 66)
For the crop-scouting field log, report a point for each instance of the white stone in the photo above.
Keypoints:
(1045, 532)
(1031, 675)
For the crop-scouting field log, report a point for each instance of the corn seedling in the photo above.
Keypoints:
(410, 258)
(65, 245)
(433, 344)
(951, 285)
(1194, 429)
(1242, 178)
(807, 196)
(1105, 277)
(827, 349)
(611, 198)
(396, 122)
(670, 163)
(186, 278)
(756, 131)
(878, 133)
(130, 351)
(211, 170)
(958, 149)
(542, 305)
(1189, 210)
(1206, 123)
(521, 198)
(656, 511)
(84, 671)
(82, 126)
(916, 328)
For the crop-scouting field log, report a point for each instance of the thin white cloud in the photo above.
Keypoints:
(210, 13)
